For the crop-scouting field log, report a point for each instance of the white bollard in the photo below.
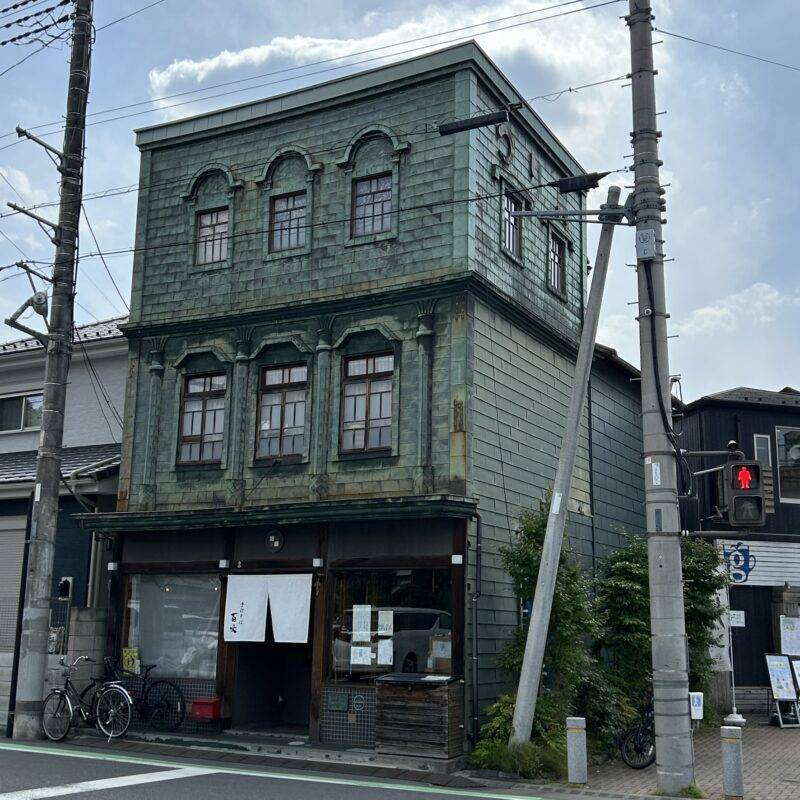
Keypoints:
(577, 770)
(732, 774)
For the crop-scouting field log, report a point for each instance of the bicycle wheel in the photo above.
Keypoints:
(639, 749)
(57, 716)
(113, 711)
(166, 706)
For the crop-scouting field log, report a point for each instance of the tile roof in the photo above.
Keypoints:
(745, 394)
(21, 467)
(94, 331)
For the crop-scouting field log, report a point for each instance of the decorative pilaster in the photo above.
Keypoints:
(156, 370)
(423, 473)
(244, 336)
(320, 426)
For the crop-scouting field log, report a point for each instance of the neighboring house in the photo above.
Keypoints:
(90, 463)
(347, 381)
(764, 566)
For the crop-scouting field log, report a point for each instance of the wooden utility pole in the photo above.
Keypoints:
(38, 580)
(674, 750)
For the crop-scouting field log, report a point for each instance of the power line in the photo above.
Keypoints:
(325, 61)
(15, 7)
(323, 223)
(34, 31)
(102, 257)
(114, 191)
(35, 14)
(22, 61)
(128, 16)
(729, 50)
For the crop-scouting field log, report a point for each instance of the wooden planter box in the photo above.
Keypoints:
(418, 717)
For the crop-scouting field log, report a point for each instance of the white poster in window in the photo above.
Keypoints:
(442, 648)
(790, 635)
(246, 608)
(360, 656)
(386, 622)
(362, 623)
(290, 599)
(386, 652)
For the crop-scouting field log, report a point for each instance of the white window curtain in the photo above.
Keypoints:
(290, 597)
(249, 597)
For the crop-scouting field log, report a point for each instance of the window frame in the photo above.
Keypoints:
(768, 438)
(777, 468)
(225, 241)
(511, 194)
(211, 394)
(554, 233)
(23, 397)
(293, 249)
(366, 451)
(281, 458)
(383, 215)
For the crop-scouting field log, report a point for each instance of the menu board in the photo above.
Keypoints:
(790, 635)
(780, 677)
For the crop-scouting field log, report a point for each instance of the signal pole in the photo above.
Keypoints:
(38, 580)
(674, 748)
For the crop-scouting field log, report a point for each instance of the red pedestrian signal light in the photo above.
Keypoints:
(746, 476)
(744, 498)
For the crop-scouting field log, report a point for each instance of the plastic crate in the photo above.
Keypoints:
(206, 709)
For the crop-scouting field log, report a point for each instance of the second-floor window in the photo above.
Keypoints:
(557, 264)
(512, 230)
(282, 411)
(288, 222)
(203, 419)
(372, 205)
(366, 422)
(212, 236)
(20, 413)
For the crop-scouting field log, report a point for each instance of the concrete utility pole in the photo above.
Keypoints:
(531, 673)
(36, 615)
(674, 751)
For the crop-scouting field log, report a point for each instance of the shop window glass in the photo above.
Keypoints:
(173, 622)
(387, 620)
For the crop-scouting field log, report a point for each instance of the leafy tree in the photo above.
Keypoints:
(623, 605)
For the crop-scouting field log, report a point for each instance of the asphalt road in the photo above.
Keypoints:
(31, 773)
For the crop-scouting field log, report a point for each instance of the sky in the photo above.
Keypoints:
(729, 128)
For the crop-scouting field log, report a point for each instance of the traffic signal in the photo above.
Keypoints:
(744, 494)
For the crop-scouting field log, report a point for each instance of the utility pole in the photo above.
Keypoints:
(38, 580)
(674, 749)
(531, 673)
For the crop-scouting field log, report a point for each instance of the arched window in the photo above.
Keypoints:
(372, 163)
(288, 202)
(210, 198)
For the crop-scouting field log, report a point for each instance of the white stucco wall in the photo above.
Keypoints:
(84, 423)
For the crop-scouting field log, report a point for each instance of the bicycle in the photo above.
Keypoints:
(159, 703)
(638, 746)
(109, 707)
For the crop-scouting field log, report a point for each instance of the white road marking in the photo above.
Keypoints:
(296, 777)
(106, 783)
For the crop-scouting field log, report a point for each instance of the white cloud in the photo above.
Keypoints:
(22, 183)
(734, 90)
(581, 48)
(760, 304)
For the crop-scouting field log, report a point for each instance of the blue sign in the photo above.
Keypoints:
(740, 561)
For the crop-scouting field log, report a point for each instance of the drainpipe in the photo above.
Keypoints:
(475, 597)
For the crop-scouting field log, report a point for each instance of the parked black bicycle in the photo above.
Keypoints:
(159, 704)
(106, 705)
(638, 745)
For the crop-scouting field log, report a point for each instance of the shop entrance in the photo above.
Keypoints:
(273, 685)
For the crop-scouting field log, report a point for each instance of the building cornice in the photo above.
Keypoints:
(469, 281)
